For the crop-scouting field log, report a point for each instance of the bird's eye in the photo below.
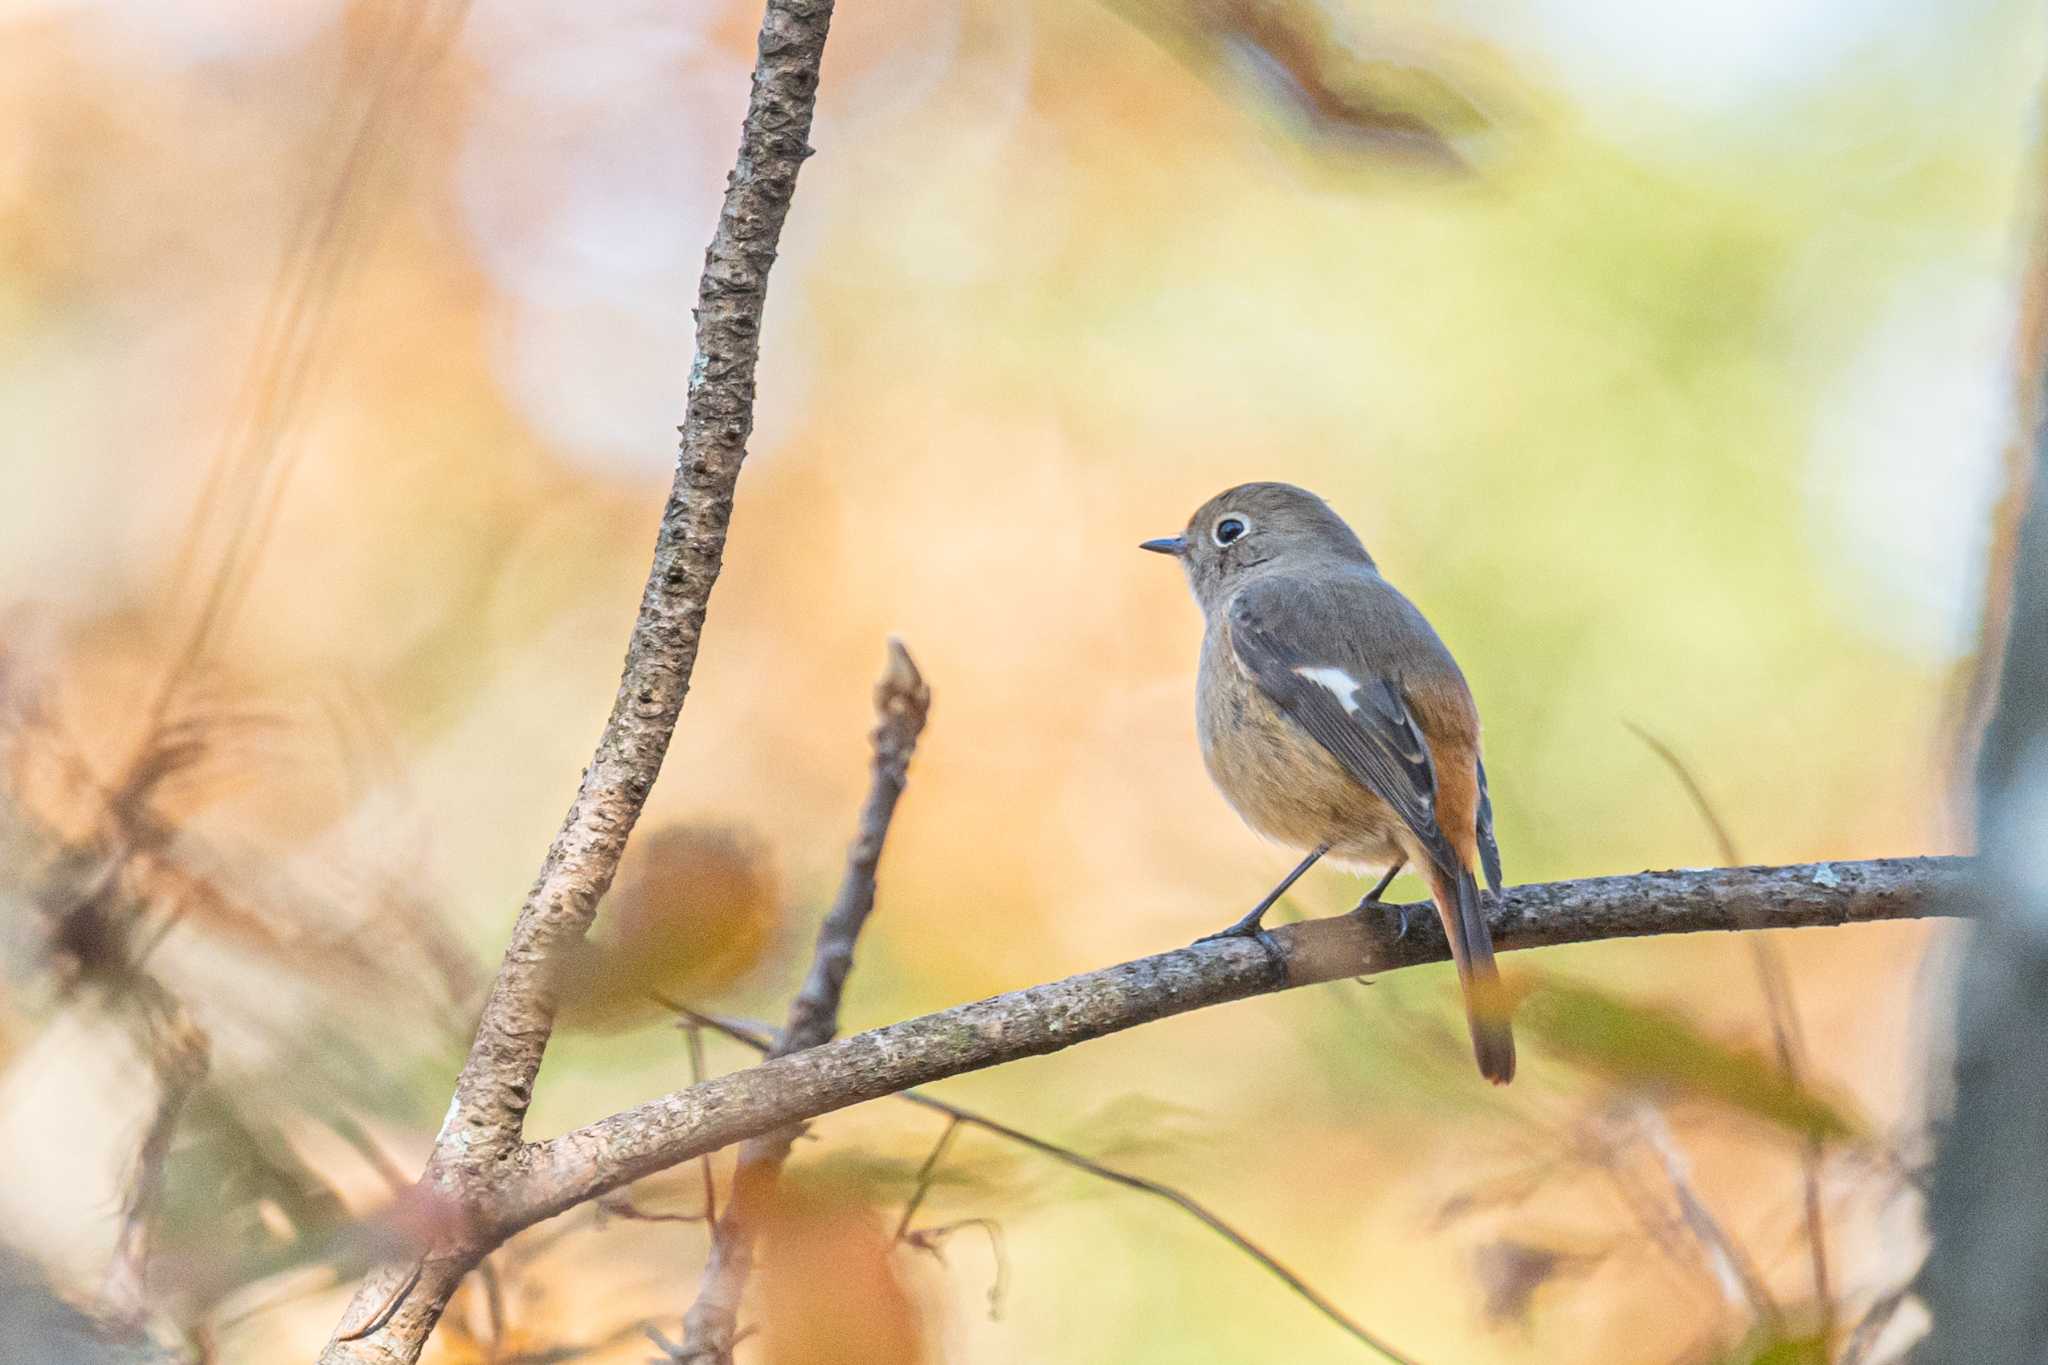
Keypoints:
(1230, 529)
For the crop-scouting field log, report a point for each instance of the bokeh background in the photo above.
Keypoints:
(1664, 354)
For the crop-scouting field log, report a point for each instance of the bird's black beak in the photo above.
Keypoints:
(1165, 545)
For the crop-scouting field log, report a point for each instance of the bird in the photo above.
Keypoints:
(1334, 720)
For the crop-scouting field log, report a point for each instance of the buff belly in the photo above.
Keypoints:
(1288, 787)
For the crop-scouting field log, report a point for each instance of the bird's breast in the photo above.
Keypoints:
(1280, 781)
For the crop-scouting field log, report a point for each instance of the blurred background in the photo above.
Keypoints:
(1664, 354)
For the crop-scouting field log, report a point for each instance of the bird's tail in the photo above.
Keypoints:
(1487, 1006)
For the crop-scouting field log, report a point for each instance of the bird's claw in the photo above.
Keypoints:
(1398, 915)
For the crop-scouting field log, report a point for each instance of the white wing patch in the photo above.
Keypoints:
(1341, 685)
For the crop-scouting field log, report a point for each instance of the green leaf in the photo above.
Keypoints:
(1632, 1043)
(1768, 1350)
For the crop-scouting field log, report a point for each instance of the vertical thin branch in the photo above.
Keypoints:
(694, 1034)
(902, 702)
(494, 1309)
(179, 1056)
(1786, 1035)
(1732, 1267)
(480, 1138)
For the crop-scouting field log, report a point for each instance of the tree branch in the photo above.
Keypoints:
(480, 1139)
(565, 1171)
(902, 701)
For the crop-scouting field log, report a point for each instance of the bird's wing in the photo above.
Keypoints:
(1281, 632)
(1489, 850)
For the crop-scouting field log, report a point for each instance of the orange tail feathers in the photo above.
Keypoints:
(1487, 1006)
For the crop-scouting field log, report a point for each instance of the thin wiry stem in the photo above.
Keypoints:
(926, 1173)
(253, 463)
(932, 1240)
(695, 1044)
(1864, 1339)
(1787, 1037)
(1732, 1267)
(958, 1115)
(179, 1054)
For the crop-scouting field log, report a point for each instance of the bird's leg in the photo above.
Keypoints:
(1250, 926)
(1372, 897)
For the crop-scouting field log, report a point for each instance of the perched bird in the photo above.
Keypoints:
(1335, 721)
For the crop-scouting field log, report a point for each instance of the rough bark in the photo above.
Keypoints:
(565, 1171)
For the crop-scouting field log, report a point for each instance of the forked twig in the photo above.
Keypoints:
(902, 703)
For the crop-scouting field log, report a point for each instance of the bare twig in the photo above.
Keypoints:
(926, 1173)
(563, 1355)
(1186, 1203)
(931, 1241)
(1786, 1035)
(494, 1308)
(1879, 1316)
(902, 701)
(480, 1139)
(351, 1131)
(1733, 1270)
(619, 1207)
(179, 1053)
(695, 1042)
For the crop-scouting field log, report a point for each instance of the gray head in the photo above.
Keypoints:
(1256, 524)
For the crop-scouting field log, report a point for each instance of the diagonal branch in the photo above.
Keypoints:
(496, 1084)
(481, 1136)
(559, 1174)
(902, 701)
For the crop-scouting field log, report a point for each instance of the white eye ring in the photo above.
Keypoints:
(1239, 528)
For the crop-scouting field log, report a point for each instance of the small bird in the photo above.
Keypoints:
(1335, 721)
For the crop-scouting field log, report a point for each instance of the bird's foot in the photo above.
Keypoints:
(1396, 916)
(1399, 913)
(1248, 927)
